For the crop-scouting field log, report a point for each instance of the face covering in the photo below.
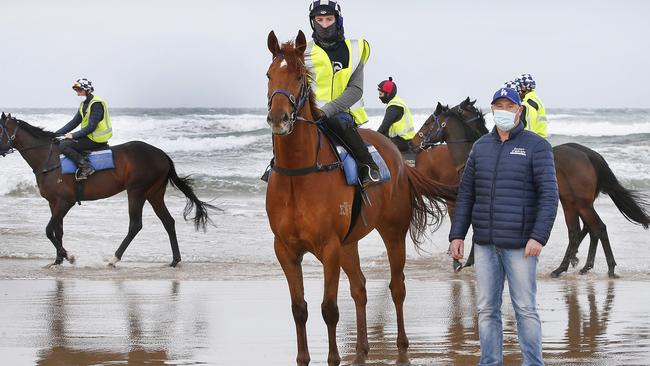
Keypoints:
(385, 99)
(327, 37)
(505, 120)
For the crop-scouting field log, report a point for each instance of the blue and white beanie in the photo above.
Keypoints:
(526, 81)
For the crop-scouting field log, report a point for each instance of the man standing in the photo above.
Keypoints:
(398, 123)
(509, 194)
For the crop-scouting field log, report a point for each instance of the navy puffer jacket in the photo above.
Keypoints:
(508, 191)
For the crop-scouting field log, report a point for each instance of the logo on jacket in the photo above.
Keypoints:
(337, 66)
(518, 151)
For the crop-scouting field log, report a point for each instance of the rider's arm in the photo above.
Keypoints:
(96, 115)
(352, 93)
(393, 114)
(74, 122)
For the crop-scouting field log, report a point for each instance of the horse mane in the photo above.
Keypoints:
(38, 132)
(296, 62)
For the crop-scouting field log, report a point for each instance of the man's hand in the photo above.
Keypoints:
(68, 136)
(533, 248)
(457, 248)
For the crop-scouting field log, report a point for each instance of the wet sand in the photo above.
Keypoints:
(586, 321)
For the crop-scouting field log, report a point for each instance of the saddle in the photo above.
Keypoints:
(99, 159)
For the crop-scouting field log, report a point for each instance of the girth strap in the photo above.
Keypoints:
(304, 171)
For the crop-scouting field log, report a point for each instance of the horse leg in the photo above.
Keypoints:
(54, 230)
(600, 229)
(593, 244)
(396, 250)
(159, 207)
(573, 225)
(352, 268)
(330, 257)
(290, 262)
(581, 236)
(136, 202)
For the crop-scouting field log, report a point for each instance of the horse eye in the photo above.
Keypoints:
(268, 76)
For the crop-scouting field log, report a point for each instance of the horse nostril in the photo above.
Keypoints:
(285, 117)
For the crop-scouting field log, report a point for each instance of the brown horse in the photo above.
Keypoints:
(581, 173)
(141, 169)
(308, 204)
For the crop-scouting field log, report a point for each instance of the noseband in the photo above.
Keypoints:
(440, 130)
(4, 132)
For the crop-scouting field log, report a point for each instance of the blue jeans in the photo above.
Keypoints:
(493, 266)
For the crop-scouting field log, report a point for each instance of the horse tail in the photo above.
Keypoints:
(184, 184)
(632, 204)
(428, 202)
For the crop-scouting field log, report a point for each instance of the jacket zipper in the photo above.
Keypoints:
(494, 178)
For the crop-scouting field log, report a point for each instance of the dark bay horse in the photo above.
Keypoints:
(308, 205)
(581, 173)
(141, 169)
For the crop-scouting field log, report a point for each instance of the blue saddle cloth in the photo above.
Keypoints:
(350, 165)
(100, 160)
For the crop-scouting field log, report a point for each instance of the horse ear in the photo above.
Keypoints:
(3, 116)
(473, 102)
(438, 109)
(301, 42)
(273, 44)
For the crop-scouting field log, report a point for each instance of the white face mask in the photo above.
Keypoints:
(505, 120)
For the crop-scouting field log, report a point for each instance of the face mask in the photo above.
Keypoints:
(505, 120)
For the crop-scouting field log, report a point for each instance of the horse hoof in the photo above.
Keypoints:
(555, 274)
(112, 263)
(54, 266)
(584, 271)
(613, 275)
(71, 258)
(175, 263)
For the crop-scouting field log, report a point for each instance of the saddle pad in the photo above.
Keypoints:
(350, 165)
(100, 160)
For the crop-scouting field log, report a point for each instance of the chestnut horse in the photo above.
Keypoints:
(308, 205)
(141, 169)
(581, 173)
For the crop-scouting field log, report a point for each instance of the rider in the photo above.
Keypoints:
(95, 128)
(535, 111)
(398, 123)
(336, 64)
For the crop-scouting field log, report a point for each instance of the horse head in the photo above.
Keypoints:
(288, 87)
(424, 135)
(461, 123)
(7, 137)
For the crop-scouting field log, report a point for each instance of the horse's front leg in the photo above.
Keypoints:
(54, 231)
(329, 308)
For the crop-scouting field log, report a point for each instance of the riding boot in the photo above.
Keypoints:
(84, 170)
(368, 170)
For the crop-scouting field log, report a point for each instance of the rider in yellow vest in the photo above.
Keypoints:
(535, 112)
(398, 123)
(336, 64)
(95, 130)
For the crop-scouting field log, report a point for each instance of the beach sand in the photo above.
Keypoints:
(587, 320)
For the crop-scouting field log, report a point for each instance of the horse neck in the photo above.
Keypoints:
(299, 148)
(459, 151)
(35, 150)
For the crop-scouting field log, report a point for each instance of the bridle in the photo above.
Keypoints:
(4, 132)
(439, 132)
(297, 104)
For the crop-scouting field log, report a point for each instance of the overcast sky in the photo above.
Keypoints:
(190, 53)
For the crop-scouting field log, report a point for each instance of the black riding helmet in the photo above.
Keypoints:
(325, 7)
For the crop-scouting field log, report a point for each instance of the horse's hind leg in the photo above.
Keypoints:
(396, 249)
(136, 202)
(291, 265)
(599, 228)
(352, 267)
(573, 225)
(158, 204)
(54, 230)
(593, 244)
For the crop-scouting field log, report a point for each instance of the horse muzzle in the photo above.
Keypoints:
(280, 126)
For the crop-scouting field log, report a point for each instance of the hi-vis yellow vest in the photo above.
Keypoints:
(404, 127)
(328, 85)
(104, 130)
(535, 114)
